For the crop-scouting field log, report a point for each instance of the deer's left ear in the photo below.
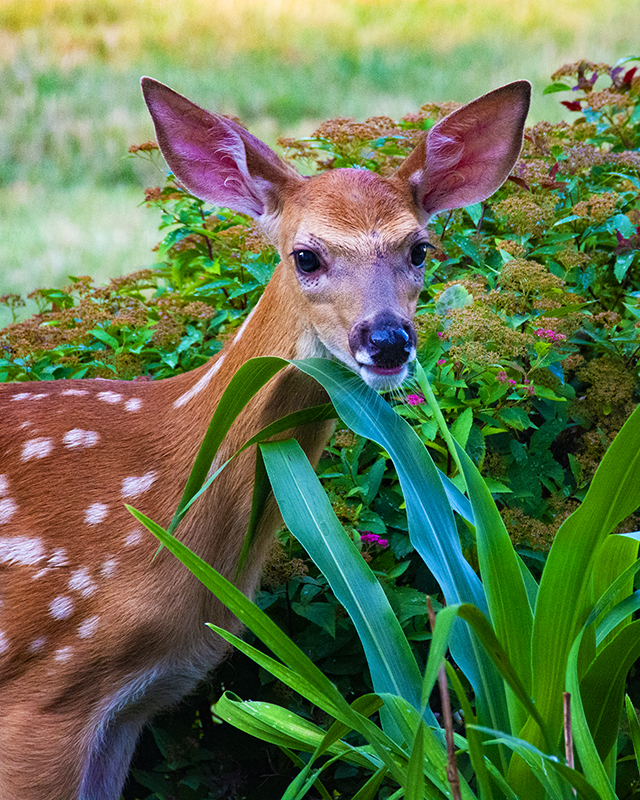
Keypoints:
(466, 156)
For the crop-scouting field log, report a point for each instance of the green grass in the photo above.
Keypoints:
(70, 102)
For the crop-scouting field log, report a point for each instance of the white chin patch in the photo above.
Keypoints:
(383, 381)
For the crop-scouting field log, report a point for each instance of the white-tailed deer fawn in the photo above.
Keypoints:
(95, 634)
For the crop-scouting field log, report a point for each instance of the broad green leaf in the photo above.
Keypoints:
(602, 686)
(617, 556)
(556, 87)
(621, 267)
(618, 614)
(634, 726)
(246, 383)
(561, 607)
(555, 778)
(590, 760)
(501, 572)
(461, 427)
(431, 524)
(281, 727)
(308, 514)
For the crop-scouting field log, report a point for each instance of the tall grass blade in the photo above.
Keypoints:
(308, 514)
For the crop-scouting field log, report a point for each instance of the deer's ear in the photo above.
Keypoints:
(213, 157)
(466, 156)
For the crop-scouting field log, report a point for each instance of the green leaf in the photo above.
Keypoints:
(462, 426)
(623, 262)
(602, 687)
(431, 524)
(634, 726)
(103, 336)
(556, 87)
(562, 603)
(297, 668)
(308, 514)
(516, 417)
(554, 777)
(501, 572)
(590, 760)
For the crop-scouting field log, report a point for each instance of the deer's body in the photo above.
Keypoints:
(95, 635)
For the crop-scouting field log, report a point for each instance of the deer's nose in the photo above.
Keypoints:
(386, 342)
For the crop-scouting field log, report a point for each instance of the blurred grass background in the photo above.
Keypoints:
(70, 103)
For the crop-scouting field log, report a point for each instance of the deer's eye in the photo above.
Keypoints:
(419, 253)
(306, 261)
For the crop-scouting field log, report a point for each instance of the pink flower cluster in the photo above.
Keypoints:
(415, 399)
(526, 383)
(504, 378)
(372, 538)
(552, 336)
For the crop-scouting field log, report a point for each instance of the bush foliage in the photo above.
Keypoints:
(528, 328)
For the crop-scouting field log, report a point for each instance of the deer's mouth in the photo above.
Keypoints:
(383, 379)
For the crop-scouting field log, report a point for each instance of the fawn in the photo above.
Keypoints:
(95, 635)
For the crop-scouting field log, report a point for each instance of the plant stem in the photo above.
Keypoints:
(452, 768)
(427, 391)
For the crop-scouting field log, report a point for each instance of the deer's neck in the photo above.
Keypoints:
(276, 327)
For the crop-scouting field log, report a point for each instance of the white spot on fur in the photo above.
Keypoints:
(96, 513)
(8, 508)
(76, 437)
(21, 396)
(38, 644)
(26, 425)
(89, 627)
(108, 568)
(133, 486)
(133, 538)
(61, 607)
(58, 558)
(200, 385)
(21, 550)
(4, 485)
(36, 448)
(75, 392)
(133, 404)
(63, 654)
(40, 573)
(4, 642)
(109, 397)
(81, 581)
(39, 396)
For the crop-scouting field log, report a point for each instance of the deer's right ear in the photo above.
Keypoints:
(213, 157)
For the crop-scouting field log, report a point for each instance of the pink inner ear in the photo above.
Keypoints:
(208, 157)
(209, 154)
(469, 154)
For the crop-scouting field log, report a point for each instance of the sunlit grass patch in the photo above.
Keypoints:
(45, 236)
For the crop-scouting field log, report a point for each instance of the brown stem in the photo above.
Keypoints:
(452, 769)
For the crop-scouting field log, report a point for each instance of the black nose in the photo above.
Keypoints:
(390, 346)
(385, 340)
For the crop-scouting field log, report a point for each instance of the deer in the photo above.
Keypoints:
(97, 635)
